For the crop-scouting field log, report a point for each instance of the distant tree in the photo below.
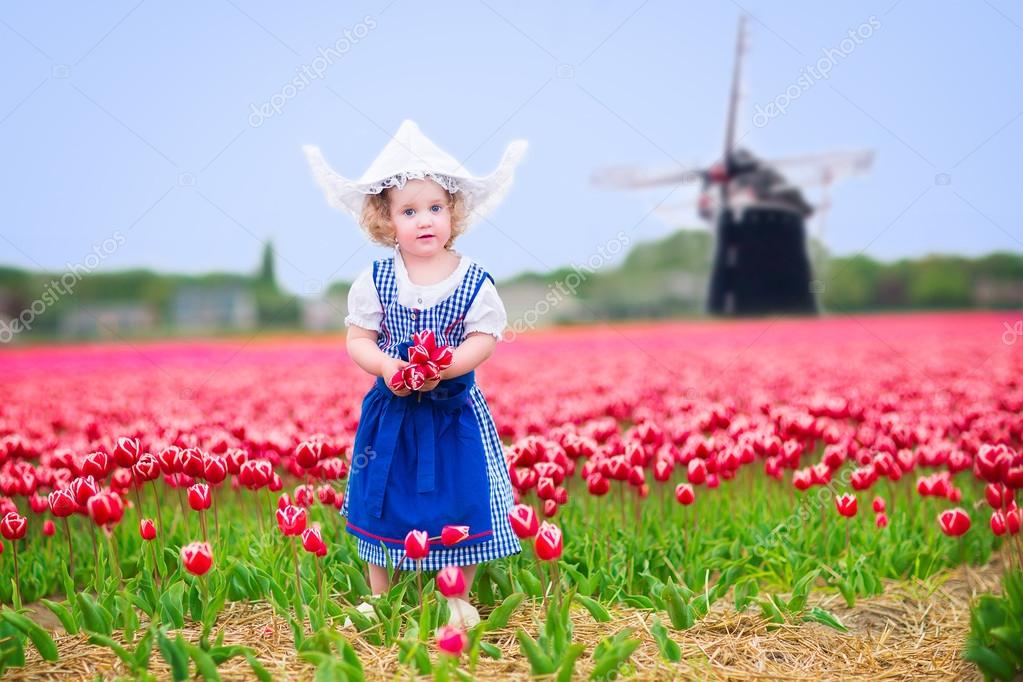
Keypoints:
(266, 277)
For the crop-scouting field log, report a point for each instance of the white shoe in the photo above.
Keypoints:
(366, 608)
(463, 614)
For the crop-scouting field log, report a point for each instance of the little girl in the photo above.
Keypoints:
(428, 458)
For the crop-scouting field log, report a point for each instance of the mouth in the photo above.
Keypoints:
(425, 236)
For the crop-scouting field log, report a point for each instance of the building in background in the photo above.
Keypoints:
(108, 321)
(207, 308)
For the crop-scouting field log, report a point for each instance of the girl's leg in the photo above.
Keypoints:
(378, 582)
(470, 574)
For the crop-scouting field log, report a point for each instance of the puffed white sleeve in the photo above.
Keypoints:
(487, 313)
(364, 309)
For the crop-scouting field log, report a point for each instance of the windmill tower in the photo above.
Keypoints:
(759, 215)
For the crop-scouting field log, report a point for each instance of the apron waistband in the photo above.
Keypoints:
(449, 395)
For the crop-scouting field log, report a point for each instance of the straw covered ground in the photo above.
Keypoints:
(915, 630)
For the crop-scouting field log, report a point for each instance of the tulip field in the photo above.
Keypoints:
(738, 500)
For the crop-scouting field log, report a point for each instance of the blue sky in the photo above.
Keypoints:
(135, 118)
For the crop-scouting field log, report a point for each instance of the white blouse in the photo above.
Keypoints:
(486, 314)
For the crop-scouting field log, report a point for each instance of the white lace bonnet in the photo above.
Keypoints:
(410, 154)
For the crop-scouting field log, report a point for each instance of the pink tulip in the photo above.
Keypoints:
(199, 497)
(549, 542)
(846, 505)
(197, 557)
(417, 544)
(291, 520)
(954, 522)
(451, 581)
(452, 535)
(451, 640)
(524, 521)
(312, 540)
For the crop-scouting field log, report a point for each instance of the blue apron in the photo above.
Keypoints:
(418, 463)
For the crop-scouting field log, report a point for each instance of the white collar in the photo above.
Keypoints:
(456, 276)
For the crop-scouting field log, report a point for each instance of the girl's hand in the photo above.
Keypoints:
(388, 368)
(431, 384)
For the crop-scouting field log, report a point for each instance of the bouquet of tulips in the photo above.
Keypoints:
(426, 360)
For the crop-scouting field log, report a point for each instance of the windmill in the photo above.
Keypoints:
(759, 213)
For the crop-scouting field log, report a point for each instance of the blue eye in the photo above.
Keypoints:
(406, 212)
(438, 207)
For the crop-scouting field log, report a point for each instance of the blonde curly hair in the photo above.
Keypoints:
(376, 217)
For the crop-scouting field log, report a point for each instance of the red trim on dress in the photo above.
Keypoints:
(349, 524)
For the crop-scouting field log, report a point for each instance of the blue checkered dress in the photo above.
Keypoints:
(446, 319)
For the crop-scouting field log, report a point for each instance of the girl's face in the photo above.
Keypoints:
(421, 217)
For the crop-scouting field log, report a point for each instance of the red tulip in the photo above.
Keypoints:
(197, 557)
(83, 488)
(597, 484)
(214, 468)
(147, 529)
(189, 461)
(291, 520)
(96, 464)
(413, 377)
(451, 640)
(954, 522)
(881, 520)
(417, 544)
(147, 468)
(998, 496)
(48, 528)
(127, 451)
(1013, 520)
(550, 508)
(308, 454)
(105, 508)
(998, 524)
(451, 581)
(304, 496)
(13, 526)
(846, 504)
(62, 504)
(696, 471)
(452, 535)
(879, 505)
(325, 494)
(37, 503)
(545, 488)
(549, 542)
(199, 497)
(524, 521)
(312, 540)
(685, 494)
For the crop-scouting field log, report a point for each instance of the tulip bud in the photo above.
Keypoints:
(451, 640)
(199, 497)
(417, 544)
(197, 557)
(524, 521)
(954, 522)
(451, 581)
(452, 535)
(549, 542)
(147, 529)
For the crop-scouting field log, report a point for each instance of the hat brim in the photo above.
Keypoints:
(481, 194)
